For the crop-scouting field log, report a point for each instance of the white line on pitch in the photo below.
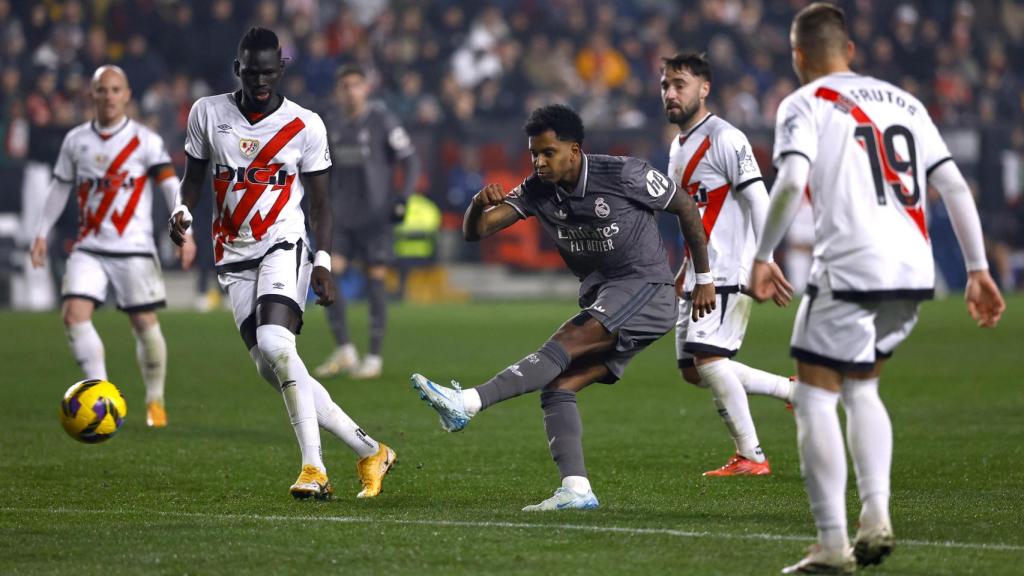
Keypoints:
(519, 525)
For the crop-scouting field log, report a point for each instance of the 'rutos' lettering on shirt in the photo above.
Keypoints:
(882, 96)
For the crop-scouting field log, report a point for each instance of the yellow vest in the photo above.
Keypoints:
(416, 236)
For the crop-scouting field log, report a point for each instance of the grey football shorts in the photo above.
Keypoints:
(638, 312)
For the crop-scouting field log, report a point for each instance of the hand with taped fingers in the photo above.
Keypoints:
(489, 195)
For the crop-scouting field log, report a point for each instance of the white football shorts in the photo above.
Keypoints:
(848, 336)
(282, 276)
(719, 333)
(136, 278)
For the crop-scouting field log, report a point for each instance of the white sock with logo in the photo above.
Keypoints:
(764, 383)
(87, 347)
(333, 419)
(277, 344)
(869, 435)
(151, 353)
(731, 400)
(823, 462)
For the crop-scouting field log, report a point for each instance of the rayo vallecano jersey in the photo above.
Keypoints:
(256, 167)
(110, 177)
(711, 162)
(871, 146)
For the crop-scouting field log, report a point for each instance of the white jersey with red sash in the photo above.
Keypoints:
(871, 146)
(711, 162)
(256, 168)
(110, 175)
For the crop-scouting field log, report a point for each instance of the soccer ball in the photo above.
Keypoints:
(92, 411)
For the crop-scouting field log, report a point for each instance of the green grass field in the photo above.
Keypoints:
(208, 495)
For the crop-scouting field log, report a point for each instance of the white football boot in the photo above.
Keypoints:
(447, 402)
(872, 545)
(343, 359)
(566, 499)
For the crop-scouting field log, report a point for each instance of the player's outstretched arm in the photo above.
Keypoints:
(785, 201)
(191, 187)
(692, 227)
(321, 220)
(487, 214)
(984, 302)
(56, 199)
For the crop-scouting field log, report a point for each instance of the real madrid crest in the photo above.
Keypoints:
(248, 146)
(601, 208)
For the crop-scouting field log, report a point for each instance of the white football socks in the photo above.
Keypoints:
(731, 400)
(87, 349)
(763, 383)
(869, 435)
(578, 484)
(277, 344)
(151, 353)
(471, 401)
(823, 462)
(333, 419)
(329, 415)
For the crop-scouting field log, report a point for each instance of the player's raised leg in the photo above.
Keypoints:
(151, 354)
(577, 337)
(565, 438)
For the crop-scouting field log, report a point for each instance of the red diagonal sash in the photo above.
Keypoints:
(916, 213)
(227, 225)
(110, 184)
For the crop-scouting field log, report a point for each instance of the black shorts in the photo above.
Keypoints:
(637, 312)
(371, 246)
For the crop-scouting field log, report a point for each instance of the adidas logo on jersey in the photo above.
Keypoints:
(254, 175)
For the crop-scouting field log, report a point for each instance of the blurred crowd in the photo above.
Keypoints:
(456, 65)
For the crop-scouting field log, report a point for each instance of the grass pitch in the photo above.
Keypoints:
(208, 495)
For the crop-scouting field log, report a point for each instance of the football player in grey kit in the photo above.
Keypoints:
(367, 142)
(601, 211)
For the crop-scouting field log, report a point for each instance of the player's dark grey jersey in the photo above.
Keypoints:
(364, 150)
(607, 227)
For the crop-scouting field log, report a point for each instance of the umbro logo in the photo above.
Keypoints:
(224, 128)
(278, 285)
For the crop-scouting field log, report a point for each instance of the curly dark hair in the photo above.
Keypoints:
(560, 119)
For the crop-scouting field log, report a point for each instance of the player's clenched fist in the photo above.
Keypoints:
(490, 195)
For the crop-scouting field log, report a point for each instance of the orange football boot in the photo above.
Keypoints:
(156, 415)
(740, 466)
